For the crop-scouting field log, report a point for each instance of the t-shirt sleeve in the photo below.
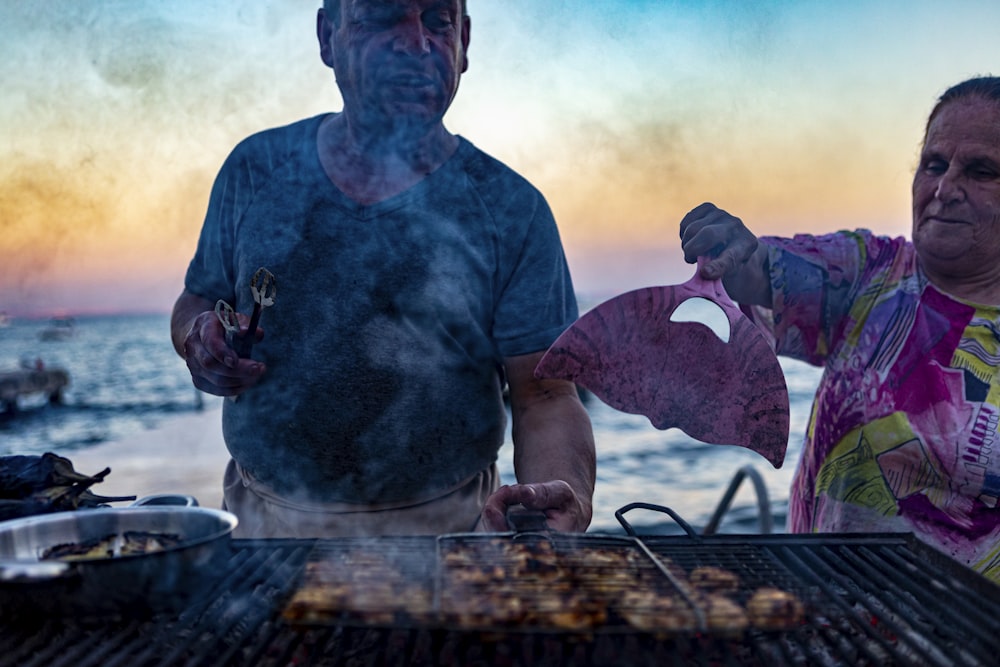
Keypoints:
(536, 301)
(211, 273)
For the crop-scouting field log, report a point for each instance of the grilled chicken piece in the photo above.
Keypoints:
(649, 611)
(723, 616)
(358, 585)
(714, 579)
(774, 609)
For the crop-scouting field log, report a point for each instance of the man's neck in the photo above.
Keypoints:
(372, 166)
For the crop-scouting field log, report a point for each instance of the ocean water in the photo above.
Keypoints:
(126, 379)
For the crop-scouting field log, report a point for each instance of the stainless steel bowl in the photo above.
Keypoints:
(130, 584)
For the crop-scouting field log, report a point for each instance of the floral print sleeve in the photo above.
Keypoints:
(811, 279)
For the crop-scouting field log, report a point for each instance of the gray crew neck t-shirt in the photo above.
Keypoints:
(386, 339)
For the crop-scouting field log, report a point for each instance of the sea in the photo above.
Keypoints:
(126, 379)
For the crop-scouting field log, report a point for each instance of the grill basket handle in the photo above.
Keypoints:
(620, 515)
(520, 519)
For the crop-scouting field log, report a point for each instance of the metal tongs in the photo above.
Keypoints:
(264, 289)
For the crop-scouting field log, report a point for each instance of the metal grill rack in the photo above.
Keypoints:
(871, 600)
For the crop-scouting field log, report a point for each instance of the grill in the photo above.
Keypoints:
(869, 600)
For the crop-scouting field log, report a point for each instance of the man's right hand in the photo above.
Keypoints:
(200, 339)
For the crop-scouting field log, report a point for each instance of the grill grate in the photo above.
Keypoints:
(570, 582)
(871, 600)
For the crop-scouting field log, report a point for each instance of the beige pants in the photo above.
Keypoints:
(264, 514)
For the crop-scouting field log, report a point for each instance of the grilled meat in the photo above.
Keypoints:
(499, 584)
(129, 543)
(774, 609)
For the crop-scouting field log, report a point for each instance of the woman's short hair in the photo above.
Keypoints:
(985, 87)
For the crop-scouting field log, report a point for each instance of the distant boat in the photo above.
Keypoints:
(4, 320)
(36, 380)
(60, 328)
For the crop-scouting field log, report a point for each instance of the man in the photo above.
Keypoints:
(416, 275)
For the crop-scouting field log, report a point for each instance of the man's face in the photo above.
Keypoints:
(397, 61)
(956, 190)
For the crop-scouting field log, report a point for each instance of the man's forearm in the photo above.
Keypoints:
(553, 439)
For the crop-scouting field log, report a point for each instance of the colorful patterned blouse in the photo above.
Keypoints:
(903, 434)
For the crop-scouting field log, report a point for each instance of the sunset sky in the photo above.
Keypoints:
(796, 116)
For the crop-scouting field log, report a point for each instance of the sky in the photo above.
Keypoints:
(797, 116)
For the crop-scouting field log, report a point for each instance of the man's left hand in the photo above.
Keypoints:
(564, 510)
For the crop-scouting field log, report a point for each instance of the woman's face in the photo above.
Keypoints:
(956, 195)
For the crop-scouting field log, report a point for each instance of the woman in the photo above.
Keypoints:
(903, 434)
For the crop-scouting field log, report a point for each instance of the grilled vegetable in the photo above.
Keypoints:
(48, 483)
(129, 543)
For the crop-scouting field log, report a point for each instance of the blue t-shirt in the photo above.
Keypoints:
(385, 343)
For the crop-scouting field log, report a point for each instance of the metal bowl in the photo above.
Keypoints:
(132, 584)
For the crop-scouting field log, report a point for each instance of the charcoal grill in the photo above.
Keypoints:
(883, 599)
